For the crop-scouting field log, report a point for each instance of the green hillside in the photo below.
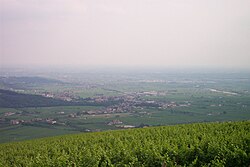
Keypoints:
(11, 99)
(200, 144)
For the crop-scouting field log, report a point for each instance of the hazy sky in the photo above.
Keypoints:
(166, 33)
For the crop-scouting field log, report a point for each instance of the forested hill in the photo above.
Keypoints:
(200, 144)
(11, 99)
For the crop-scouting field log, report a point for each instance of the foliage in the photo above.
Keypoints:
(200, 144)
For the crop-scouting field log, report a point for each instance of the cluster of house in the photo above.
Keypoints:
(16, 122)
(9, 114)
(127, 103)
(66, 95)
(115, 122)
(119, 124)
(47, 120)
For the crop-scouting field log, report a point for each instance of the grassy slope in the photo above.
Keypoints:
(203, 144)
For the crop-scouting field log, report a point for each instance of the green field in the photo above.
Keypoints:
(20, 132)
(206, 97)
(206, 106)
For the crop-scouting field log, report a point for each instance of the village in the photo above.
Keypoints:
(134, 102)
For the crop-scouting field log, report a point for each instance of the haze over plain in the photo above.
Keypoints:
(171, 33)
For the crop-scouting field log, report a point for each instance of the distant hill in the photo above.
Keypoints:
(11, 99)
(24, 82)
(200, 144)
(34, 80)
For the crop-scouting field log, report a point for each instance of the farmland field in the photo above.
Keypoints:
(112, 101)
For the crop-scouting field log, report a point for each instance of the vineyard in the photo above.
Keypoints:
(199, 144)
